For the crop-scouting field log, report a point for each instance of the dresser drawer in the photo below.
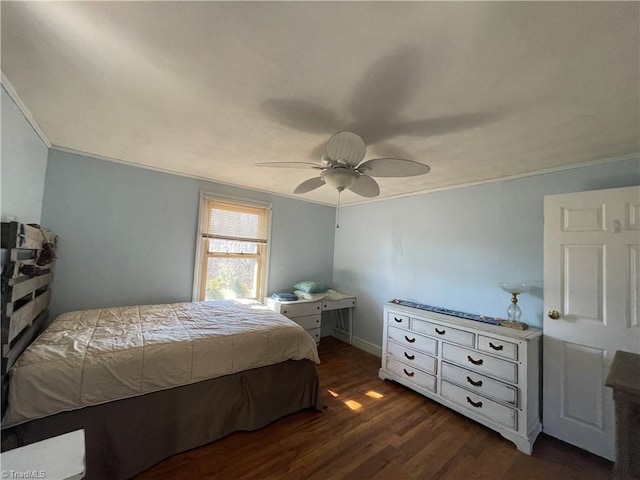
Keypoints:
(480, 384)
(398, 319)
(299, 309)
(308, 322)
(338, 304)
(315, 334)
(479, 362)
(411, 374)
(481, 405)
(411, 340)
(445, 333)
(412, 357)
(498, 347)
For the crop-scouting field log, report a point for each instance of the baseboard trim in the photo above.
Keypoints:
(359, 343)
(369, 347)
(337, 334)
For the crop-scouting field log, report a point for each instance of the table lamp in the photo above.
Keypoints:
(513, 310)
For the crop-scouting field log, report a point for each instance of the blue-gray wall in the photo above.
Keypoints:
(23, 162)
(127, 235)
(452, 248)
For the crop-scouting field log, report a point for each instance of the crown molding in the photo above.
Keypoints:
(630, 156)
(591, 163)
(180, 174)
(8, 87)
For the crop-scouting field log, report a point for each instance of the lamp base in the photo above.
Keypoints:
(513, 324)
(514, 312)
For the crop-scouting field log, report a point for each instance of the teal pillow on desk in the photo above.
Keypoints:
(312, 287)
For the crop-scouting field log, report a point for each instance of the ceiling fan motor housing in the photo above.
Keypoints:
(339, 177)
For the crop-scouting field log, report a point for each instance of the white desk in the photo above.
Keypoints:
(307, 313)
(340, 306)
(60, 457)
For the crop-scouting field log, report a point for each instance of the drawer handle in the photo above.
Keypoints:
(475, 362)
(410, 357)
(440, 332)
(496, 347)
(399, 320)
(475, 384)
(408, 374)
(410, 340)
(474, 404)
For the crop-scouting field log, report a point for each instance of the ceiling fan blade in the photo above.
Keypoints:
(289, 165)
(365, 186)
(309, 185)
(346, 147)
(393, 167)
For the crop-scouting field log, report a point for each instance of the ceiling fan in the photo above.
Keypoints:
(342, 167)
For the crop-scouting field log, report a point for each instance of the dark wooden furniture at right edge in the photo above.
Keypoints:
(624, 379)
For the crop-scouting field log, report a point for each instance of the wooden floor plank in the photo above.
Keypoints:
(389, 432)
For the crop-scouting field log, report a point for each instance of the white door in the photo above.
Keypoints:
(592, 281)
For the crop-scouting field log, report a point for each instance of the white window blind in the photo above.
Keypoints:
(229, 221)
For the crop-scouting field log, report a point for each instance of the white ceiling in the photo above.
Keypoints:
(476, 90)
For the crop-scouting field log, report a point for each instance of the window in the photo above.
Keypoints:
(232, 249)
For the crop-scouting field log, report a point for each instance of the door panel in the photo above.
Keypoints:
(591, 272)
(583, 219)
(582, 401)
(582, 281)
(632, 210)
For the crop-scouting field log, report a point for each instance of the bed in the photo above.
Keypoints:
(146, 382)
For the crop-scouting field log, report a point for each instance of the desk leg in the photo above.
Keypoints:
(350, 326)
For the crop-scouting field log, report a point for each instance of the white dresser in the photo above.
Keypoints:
(486, 372)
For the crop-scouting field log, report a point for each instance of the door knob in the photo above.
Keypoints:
(553, 314)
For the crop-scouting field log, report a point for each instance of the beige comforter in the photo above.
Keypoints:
(96, 356)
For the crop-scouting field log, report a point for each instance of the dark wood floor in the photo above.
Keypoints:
(373, 429)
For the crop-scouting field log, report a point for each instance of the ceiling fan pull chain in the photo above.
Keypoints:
(338, 211)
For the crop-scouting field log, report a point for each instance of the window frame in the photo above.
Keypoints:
(202, 254)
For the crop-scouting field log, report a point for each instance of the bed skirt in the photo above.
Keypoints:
(126, 437)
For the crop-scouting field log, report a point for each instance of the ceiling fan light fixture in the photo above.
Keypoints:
(340, 178)
(341, 167)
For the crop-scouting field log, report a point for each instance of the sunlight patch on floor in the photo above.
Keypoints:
(332, 393)
(353, 405)
(373, 394)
